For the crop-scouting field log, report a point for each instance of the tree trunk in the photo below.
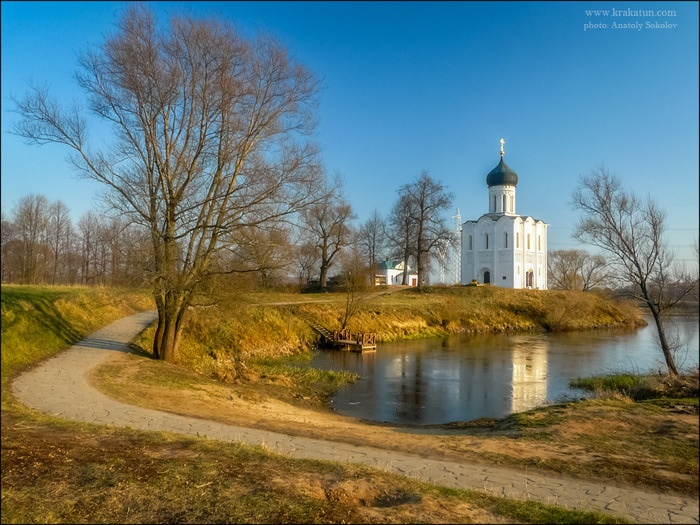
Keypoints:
(665, 348)
(324, 276)
(170, 341)
(419, 270)
(171, 318)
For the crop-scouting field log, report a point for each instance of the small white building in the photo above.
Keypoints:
(502, 248)
(391, 273)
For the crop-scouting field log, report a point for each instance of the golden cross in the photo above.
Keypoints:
(502, 142)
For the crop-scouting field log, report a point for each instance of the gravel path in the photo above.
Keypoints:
(59, 387)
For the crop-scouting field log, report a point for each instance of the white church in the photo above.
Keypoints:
(502, 248)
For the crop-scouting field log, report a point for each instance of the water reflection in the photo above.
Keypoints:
(529, 376)
(462, 378)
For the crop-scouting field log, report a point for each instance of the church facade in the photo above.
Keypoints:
(502, 248)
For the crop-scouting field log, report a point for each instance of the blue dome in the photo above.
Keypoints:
(501, 175)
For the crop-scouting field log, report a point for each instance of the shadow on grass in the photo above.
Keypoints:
(108, 344)
(47, 313)
(53, 321)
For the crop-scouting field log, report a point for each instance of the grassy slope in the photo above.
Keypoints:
(38, 321)
(443, 310)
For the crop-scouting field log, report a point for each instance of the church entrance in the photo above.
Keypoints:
(487, 277)
(529, 279)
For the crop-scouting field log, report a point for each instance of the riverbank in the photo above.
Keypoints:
(65, 472)
(221, 341)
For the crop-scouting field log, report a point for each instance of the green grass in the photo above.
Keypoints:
(438, 311)
(304, 375)
(38, 321)
(657, 389)
(533, 512)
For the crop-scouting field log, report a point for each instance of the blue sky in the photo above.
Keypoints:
(412, 86)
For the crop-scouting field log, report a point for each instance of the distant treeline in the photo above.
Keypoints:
(42, 245)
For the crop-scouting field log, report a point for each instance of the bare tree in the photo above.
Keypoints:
(354, 282)
(59, 227)
(403, 232)
(327, 226)
(209, 130)
(306, 260)
(372, 240)
(89, 234)
(8, 249)
(31, 220)
(632, 233)
(576, 270)
(264, 252)
(426, 199)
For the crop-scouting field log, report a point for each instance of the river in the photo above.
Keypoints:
(465, 377)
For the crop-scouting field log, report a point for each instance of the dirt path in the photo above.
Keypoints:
(60, 387)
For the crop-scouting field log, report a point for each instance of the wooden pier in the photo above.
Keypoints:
(344, 339)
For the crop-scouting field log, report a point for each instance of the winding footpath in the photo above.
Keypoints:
(59, 387)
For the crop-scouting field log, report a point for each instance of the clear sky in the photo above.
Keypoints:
(412, 86)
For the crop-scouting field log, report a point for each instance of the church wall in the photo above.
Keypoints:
(508, 254)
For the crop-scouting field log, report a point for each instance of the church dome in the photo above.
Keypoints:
(501, 175)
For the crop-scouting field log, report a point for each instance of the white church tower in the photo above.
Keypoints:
(502, 248)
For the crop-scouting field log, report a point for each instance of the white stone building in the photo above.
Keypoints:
(391, 273)
(502, 248)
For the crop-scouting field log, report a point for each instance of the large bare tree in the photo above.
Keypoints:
(631, 231)
(402, 232)
(424, 200)
(210, 134)
(327, 226)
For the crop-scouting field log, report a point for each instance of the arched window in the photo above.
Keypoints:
(528, 241)
(506, 240)
(470, 242)
(493, 210)
(539, 244)
(504, 203)
(517, 240)
(487, 241)
(512, 204)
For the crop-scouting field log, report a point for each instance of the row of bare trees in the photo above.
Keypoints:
(577, 270)
(41, 245)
